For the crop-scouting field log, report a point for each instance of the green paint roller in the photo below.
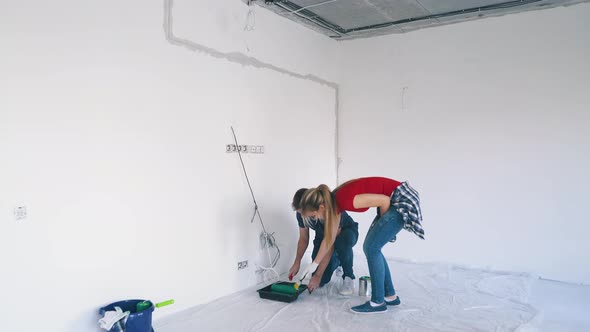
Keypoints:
(283, 288)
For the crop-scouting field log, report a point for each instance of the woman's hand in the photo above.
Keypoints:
(309, 270)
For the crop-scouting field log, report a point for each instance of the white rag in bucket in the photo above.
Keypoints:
(112, 317)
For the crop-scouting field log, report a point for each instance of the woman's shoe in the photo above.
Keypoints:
(394, 302)
(367, 308)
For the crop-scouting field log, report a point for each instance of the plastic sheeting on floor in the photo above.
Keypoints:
(434, 297)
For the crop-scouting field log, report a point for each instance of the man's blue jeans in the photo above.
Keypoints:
(342, 253)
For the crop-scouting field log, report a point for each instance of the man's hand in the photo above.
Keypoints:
(294, 270)
(314, 283)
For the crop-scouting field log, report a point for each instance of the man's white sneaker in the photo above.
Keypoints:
(347, 287)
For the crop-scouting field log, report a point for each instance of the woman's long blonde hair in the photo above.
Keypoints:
(311, 201)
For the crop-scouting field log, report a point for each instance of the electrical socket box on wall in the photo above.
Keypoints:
(242, 265)
(20, 213)
(230, 148)
(256, 148)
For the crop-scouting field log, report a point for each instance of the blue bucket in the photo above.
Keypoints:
(137, 321)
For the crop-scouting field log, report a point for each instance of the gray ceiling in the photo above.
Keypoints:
(349, 19)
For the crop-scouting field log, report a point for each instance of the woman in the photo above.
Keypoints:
(398, 206)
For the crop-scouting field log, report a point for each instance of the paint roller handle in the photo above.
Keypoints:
(165, 303)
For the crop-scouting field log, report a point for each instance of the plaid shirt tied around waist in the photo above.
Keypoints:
(406, 201)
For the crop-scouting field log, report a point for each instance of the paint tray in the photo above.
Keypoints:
(267, 293)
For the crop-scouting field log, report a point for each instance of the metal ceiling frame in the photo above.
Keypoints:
(303, 12)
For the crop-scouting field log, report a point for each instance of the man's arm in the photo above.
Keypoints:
(301, 247)
(302, 244)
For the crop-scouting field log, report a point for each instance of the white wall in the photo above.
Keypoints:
(494, 134)
(114, 139)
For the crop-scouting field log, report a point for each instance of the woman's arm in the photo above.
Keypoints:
(315, 281)
(328, 242)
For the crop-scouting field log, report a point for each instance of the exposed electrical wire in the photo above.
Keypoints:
(291, 7)
(304, 16)
(310, 6)
(269, 275)
(267, 240)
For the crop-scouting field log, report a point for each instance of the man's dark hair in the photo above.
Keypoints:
(297, 199)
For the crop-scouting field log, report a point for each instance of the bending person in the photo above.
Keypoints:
(398, 206)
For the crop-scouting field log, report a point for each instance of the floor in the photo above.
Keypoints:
(562, 306)
(435, 297)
